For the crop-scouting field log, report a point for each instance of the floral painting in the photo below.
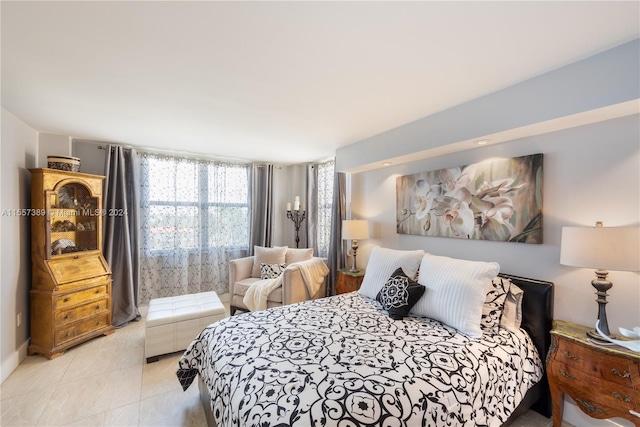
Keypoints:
(498, 199)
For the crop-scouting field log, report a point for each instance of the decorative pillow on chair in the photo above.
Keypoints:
(297, 255)
(399, 294)
(455, 291)
(383, 263)
(494, 304)
(267, 256)
(271, 271)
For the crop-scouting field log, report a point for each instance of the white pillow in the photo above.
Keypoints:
(297, 255)
(512, 313)
(262, 255)
(382, 263)
(455, 291)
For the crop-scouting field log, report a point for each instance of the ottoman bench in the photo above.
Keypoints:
(173, 322)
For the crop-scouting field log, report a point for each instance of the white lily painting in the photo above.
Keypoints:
(498, 199)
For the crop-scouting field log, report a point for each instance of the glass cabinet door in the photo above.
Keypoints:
(73, 220)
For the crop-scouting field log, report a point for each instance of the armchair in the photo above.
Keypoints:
(293, 288)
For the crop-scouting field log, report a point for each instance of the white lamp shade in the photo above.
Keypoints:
(604, 248)
(355, 229)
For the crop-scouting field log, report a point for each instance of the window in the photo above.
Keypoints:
(193, 205)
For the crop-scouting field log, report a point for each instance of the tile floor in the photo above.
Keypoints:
(106, 382)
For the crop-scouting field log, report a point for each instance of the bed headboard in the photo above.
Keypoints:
(537, 320)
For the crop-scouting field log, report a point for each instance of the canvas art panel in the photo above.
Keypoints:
(497, 199)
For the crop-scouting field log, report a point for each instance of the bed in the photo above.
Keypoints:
(280, 367)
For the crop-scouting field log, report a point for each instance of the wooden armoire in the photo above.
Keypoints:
(71, 281)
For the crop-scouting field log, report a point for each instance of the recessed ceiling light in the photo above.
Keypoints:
(482, 141)
(386, 163)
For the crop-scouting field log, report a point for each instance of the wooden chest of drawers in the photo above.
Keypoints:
(603, 381)
(70, 315)
(349, 281)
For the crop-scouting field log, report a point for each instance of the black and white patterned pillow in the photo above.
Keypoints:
(271, 271)
(494, 304)
(399, 294)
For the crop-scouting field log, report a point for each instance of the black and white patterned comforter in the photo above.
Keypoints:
(341, 361)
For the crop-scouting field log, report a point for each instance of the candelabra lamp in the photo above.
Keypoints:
(355, 229)
(297, 216)
(604, 248)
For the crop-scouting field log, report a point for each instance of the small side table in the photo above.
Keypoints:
(602, 380)
(349, 281)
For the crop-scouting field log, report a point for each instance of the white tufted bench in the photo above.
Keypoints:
(173, 322)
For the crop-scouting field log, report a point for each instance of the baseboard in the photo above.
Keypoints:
(573, 415)
(13, 361)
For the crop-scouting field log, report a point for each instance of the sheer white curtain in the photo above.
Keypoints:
(194, 218)
(325, 177)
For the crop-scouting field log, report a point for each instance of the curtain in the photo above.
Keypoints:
(194, 219)
(261, 206)
(320, 180)
(120, 241)
(337, 252)
(312, 209)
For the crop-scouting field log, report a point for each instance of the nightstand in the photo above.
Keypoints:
(348, 281)
(604, 381)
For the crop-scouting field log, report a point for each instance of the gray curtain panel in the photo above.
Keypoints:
(261, 206)
(120, 242)
(312, 208)
(337, 253)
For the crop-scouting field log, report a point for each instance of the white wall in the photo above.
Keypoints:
(591, 173)
(19, 152)
(52, 145)
(91, 157)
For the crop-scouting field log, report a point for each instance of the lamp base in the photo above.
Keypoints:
(354, 248)
(602, 285)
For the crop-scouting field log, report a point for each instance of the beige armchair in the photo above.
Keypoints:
(293, 288)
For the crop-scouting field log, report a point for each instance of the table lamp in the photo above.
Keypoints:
(603, 248)
(354, 230)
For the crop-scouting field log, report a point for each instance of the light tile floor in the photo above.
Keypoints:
(106, 382)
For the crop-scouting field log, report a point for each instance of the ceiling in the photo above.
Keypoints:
(284, 82)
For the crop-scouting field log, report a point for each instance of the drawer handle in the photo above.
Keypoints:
(571, 356)
(76, 257)
(98, 323)
(624, 374)
(98, 291)
(98, 307)
(66, 299)
(66, 316)
(566, 374)
(619, 396)
(589, 407)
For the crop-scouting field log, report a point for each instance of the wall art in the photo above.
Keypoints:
(497, 199)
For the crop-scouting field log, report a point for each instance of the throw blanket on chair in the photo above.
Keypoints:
(313, 272)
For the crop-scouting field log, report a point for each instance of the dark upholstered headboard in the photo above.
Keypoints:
(537, 320)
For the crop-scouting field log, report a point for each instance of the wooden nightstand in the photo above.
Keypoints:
(348, 281)
(603, 381)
